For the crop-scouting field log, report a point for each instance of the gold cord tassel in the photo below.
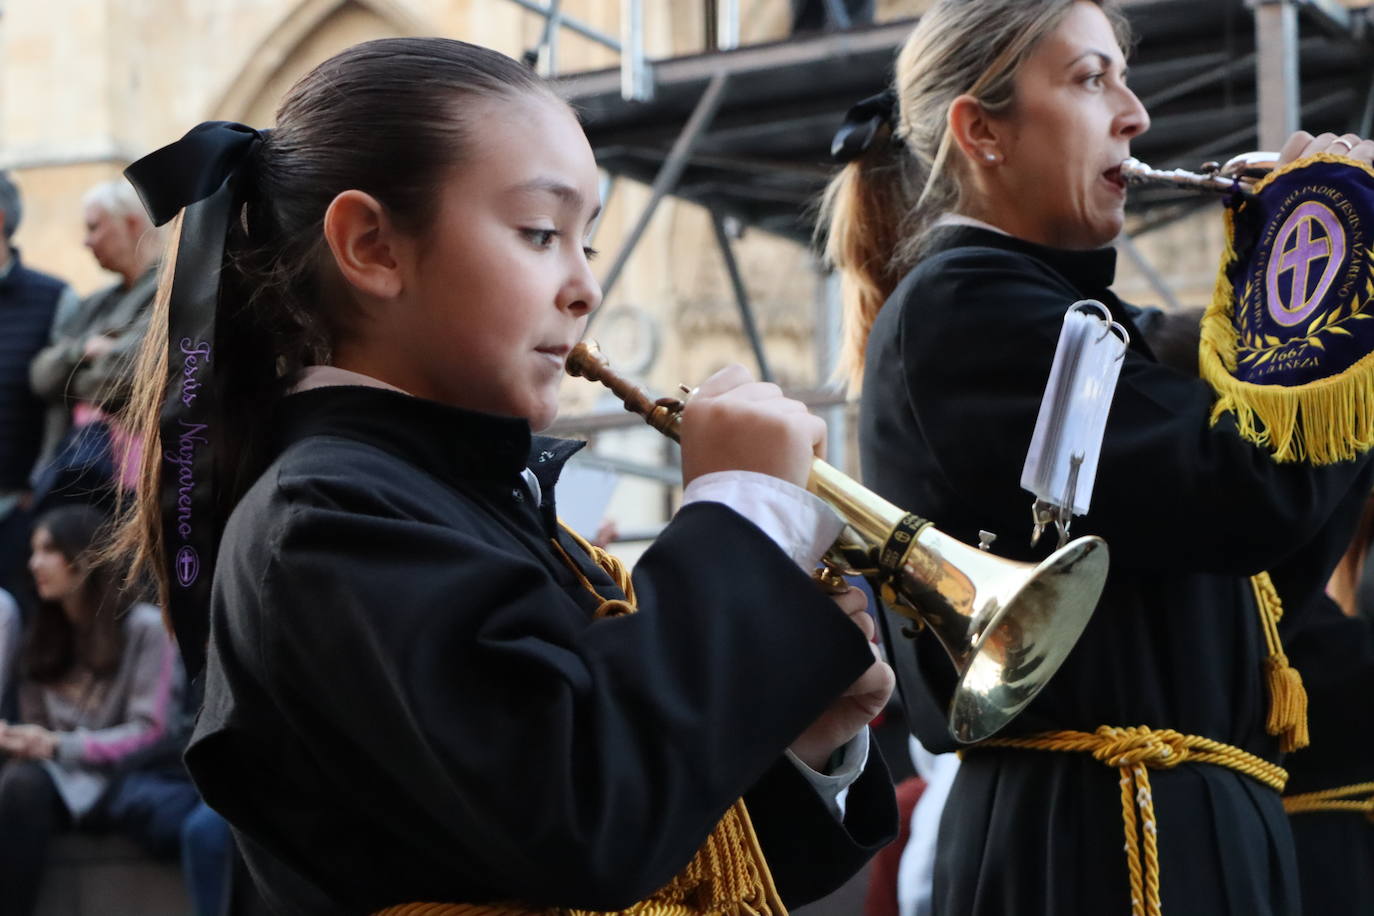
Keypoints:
(1287, 697)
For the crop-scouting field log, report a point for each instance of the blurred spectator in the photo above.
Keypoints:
(207, 859)
(100, 684)
(88, 364)
(29, 301)
(11, 632)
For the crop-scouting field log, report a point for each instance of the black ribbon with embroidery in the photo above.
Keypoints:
(861, 125)
(200, 173)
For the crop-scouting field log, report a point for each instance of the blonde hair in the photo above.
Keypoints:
(876, 212)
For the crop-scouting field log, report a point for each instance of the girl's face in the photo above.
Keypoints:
(500, 289)
(55, 576)
(1069, 131)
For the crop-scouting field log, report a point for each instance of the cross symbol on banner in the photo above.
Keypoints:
(1299, 259)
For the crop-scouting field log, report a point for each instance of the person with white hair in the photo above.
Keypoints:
(88, 363)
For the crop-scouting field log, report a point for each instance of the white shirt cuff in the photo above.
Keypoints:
(833, 788)
(801, 524)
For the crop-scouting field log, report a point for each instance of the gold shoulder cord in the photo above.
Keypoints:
(1135, 751)
(727, 877)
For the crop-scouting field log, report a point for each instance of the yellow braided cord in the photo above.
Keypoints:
(1128, 818)
(610, 607)
(1346, 799)
(728, 876)
(1287, 697)
(1135, 751)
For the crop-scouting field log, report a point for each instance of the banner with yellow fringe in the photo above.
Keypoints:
(1288, 342)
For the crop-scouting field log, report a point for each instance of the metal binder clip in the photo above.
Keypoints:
(1042, 514)
(1045, 513)
(1064, 511)
(1107, 319)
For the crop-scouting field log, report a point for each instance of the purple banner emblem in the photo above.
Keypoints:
(1304, 291)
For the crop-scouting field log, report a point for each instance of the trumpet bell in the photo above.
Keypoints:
(1010, 635)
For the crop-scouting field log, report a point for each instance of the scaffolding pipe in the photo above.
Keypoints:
(829, 333)
(1276, 70)
(548, 39)
(668, 176)
(571, 24)
(746, 312)
(1367, 121)
(727, 25)
(839, 16)
(636, 85)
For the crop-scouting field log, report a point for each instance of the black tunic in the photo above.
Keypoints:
(1335, 654)
(407, 697)
(956, 366)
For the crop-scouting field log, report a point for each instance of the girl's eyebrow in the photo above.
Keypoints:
(560, 189)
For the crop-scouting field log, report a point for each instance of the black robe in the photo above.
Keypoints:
(1335, 849)
(956, 367)
(1335, 654)
(408, 699)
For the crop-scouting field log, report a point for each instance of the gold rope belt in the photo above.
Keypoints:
(1356, 799)
(728, 876)
(1135, 751)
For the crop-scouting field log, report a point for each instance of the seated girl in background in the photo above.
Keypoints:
(99, 682)
(419, 687)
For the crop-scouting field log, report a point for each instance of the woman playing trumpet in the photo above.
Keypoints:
(977, 205)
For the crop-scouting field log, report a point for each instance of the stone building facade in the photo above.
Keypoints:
(86, 86)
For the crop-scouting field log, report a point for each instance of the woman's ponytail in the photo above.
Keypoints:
(863, 220)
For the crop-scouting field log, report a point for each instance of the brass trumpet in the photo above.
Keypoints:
(1239, 174)
(1007, 626)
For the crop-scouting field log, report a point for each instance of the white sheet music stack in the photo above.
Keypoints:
(1061, 465)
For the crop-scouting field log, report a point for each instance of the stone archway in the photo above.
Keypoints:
(312, 32)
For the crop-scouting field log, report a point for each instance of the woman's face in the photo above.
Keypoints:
(502, 288)
(55, 576)
(1066, 136)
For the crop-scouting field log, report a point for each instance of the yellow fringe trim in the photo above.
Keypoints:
(1135, 751)
(728, 876)
(1322, 422)
(1334, 801)
(1287, 697)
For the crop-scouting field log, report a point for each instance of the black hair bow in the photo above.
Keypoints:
(200, 172)
(191, 169)
(861, 124)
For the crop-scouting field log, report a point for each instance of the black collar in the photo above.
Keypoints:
(451, 443)
(1090, 272)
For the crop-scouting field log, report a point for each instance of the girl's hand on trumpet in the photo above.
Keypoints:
(857, 706)
(734, 423)
(1351, 146)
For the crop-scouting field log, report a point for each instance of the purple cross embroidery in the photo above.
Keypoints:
(1307, 249)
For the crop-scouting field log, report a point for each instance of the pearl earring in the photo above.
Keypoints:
(990, 157)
